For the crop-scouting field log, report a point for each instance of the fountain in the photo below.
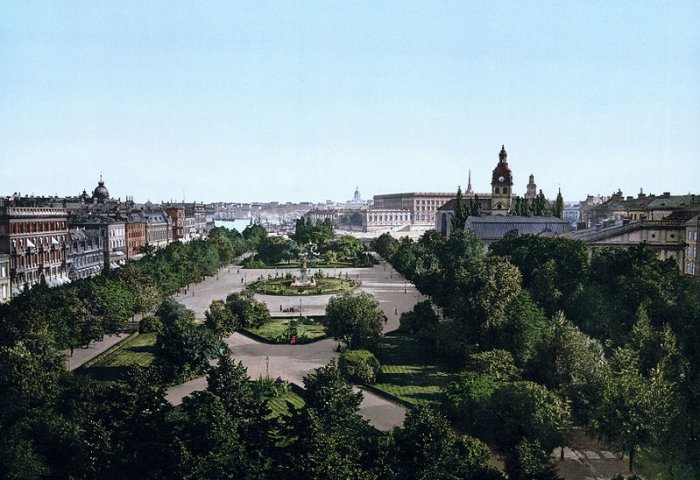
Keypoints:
(304, 281)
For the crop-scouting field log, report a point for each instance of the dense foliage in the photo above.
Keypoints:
(355, 320)
(359, 366)
(614, 335)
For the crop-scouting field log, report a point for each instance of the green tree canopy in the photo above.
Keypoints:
(355, 320)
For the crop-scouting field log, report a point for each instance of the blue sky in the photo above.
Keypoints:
(290, 101)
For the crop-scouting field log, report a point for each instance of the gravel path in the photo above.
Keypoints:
(293, 362)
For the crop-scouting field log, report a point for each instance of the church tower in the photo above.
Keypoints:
(531, 188)
(469, 192)
(501, 185)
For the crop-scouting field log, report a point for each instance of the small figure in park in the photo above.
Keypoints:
(280, 308)
(396, 311)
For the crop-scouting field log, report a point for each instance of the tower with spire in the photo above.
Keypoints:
(469, 192)
(501, 185)
(531, 188)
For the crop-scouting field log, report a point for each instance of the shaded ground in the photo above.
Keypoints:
(588, 459)
(409, 371)
(136, 350)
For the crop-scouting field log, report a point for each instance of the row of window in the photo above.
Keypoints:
(497, 190)
(37, 227)
(389, 218)
(692, 235)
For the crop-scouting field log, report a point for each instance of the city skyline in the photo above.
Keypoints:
(305, 101)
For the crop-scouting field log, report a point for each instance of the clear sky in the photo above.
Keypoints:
(290, 101)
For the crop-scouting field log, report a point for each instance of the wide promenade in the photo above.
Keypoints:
(293, 362)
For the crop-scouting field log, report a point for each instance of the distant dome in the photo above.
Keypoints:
(100, 193)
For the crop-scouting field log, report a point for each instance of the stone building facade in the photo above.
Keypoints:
(34, 237)
(692, 251)
(159, 231)
(135, 234)
(176, 213)
(85, 253)
(5, 286)
(421, 206)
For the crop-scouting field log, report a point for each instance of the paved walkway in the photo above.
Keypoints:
(587, 459)
(83, 355)
(293, 362)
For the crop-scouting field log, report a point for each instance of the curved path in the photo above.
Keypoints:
(293, 362)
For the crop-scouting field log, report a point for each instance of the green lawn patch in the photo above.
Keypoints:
(282, 286)
(409, 370)
(277, 330)
(113, 364)
(279, 405)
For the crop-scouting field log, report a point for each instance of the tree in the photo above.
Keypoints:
(636, 409)
(184, 346)
(248, 311)
(520, 332)
(467, 401)
(253, 235)
(539, 205)
(355, 320)
(327, 438)
(274, 249)
(220, 320)
(385, 245)
(474, 207)
(213, 447)
(481, 291)
(559, 206)
(498, 364)
(427, 448)
(528, 410)
(461, 213)
(529, 461)
(422, 321)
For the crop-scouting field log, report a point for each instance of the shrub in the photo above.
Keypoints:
(267, 387)
(253, 262)
(150, 324)
(360, 366)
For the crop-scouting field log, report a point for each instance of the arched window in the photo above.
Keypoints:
(505, 189)
(497, 190)
(443, 225)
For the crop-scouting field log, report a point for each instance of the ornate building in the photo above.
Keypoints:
(85, 255)
(5, 287)
(501, 185)
(34, 236)
(531, 192)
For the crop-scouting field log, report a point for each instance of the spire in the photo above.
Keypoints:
(503, 155)
(469, 184)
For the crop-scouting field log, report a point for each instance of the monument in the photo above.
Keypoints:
(304, 281)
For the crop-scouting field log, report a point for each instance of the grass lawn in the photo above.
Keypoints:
(113, 365)
(281, 286)
(409, 370)
(278, 405)
(275, 331)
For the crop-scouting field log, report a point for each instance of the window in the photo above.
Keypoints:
(505, 189)
(497, 191)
